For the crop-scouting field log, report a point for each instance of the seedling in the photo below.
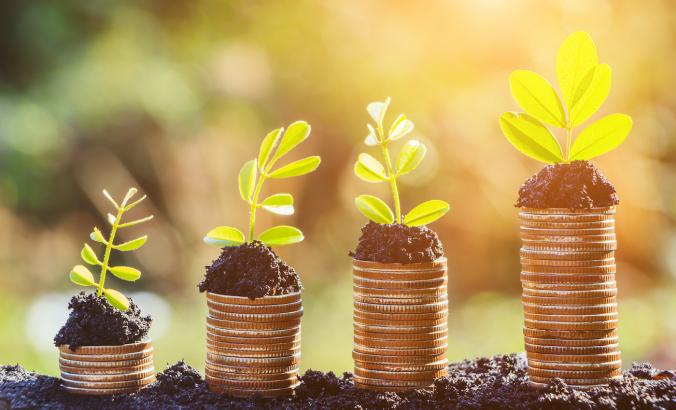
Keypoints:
(81, 275)
(585, 84)
(371, 170)
(251, 178)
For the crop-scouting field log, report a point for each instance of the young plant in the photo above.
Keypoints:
(251, 178)
(585, 84)
(80, 274)
(371, 170)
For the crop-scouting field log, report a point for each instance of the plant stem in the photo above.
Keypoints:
(569, 132)
(391, 174)
(254, 206)
(109, 247)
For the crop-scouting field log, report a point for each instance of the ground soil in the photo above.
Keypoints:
(578, 185)
(397, 243)
(496, 383)
(94, 322)
(252, 270)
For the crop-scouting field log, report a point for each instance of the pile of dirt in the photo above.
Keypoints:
(578, 185)
(94, 322)
(395, 243)
(497, 383)
(251, 270)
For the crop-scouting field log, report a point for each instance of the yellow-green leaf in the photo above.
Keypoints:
(410, 156)
(537, 97)
(531, 137)
(110, 198)
(594, 95)
(400, 127)
(267, 146)
(247, 180)
(224, 236)
(426, 213)
(126, 273)
(88, 255)
(132, 245)
(281, 235)
(117, 299)
(377, 110)
(97, 236)
(280, 204)
(297, 168)
(294, 135)
(574, 61)
(369, 169)
(371, 140)
(374, 209)
(80, 275)
(601, 136)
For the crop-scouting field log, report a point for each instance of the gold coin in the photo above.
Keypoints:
(400, 323)
(263, 317)
(231, 324)
(565, 279)
(534, 371)
(607, 210)
(583, 232)
(566, 255)
(401, 293)
(577, 367)
(260, 333)
(121, 363)
(535, 385)
(569, 270)
(257, 370)
(554, 238)
(255, 384)
(377, 300)
(581, 294)
(570, 334)
(107, 357)
(406, 344)
(266, 300)
(400, 329)
(400, 275)
(434, 351)
(253, 346)
(401, 316)
(252, 377)
(392, 383)
(573, 382)
(570, 310)
(108, 385)
(561, 358)
(134, 375)
(250, 353)
(416, 336)
(569, 286)
(404, 376)
(109, 350)
(401, 309)
(547, 247)
(403, 360)
(420, 267)
(399, 284)
(604, 325)
(586, 350)
(572, 318)
(530, 262)
(567, 301)
(254, 309)
(435, 366)
(608, 223)
(224, 360)
(86, 371)
(295, 338)
(571, 342)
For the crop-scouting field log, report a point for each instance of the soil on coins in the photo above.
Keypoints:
(395, 243)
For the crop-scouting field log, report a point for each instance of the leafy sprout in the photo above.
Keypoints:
(254, 173)
(371, 170)
(585, 84)
(81, 275)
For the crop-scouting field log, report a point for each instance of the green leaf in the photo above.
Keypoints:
(531, 137)
(294, 135)
(132, 245)
(374, 209)
(426, 213)
(281, 235)
(117, 299)
(594, 95)
(369, 169)
(135, 222)
(297, 168)
(97, 236)
(400, 127)
(410, 156)
(601, 136)
(371, 140)
(80, 275)
(247, 180)
(110, 198)
(111, 219)
(377, 110)
(537, 97)
(224, 236)
(126, 273)
(88, 255)
(267, 146)
(133, 204)
(130, 194)
(280, 204)
(575, 59)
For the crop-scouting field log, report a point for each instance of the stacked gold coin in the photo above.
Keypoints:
(105, 370)
(400, 324)
(570, 295)
(253, 345)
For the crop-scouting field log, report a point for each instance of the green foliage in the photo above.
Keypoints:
(254, 173)
(81, 276)
(369, 169)
(426, 212)
(585, 85)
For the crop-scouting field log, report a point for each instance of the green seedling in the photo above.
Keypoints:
(251, 178)
(81, 275)
(584, 84)
(371, 170)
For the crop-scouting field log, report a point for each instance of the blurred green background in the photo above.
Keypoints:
(172, 97)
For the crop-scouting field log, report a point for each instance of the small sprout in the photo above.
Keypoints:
(585, 84)
(369, 169)
(254, 173)
(81, 276)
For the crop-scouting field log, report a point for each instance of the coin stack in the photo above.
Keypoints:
(570, 296)
(253, 345)
(106, 370)
(400, 324)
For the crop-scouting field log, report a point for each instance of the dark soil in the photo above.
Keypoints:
(397, 243)
(252, 270)
(94, 322)
(578, 185)
(494, 383)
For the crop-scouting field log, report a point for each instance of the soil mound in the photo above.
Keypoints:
(397, 243)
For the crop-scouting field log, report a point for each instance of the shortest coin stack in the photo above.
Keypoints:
(106, 370)
(400, 324)
(570, 296)
(253, 345)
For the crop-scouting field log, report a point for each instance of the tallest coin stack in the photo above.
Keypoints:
(570, 295)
